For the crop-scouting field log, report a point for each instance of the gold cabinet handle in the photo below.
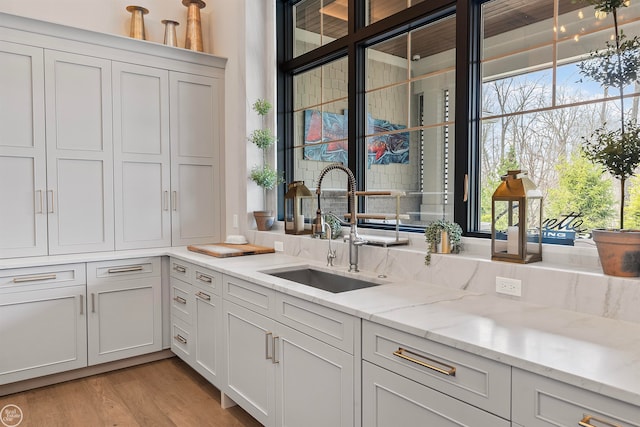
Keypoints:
(41, 202)
(275, 353)
(180, 300)
(35, 278)
(204, 278)
(450, 371)
(180, 339)
(93, 302)
(125, 269)
(266, 345)
(179, 268)
(165, 200)
(81, 304)
(174, 200)
(203, 296)
(50, 208)
(588, 419)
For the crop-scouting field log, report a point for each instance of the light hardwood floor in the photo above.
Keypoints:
(164, 393)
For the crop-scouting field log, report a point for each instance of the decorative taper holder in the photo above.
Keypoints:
(193, 39)
(170, 38)
(137, 22)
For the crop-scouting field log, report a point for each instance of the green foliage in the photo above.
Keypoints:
(632, 214)
(432, 236)
(615, 66)
(616, 151)
(607, 6)
(265, 176)
(582, 189)
(262, 107)
(263, 138)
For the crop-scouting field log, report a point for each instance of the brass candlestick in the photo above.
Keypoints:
(194, 28)
(137, 22)
(170, 38)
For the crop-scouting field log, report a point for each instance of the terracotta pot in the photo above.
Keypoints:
(264, 220)
(619, 251)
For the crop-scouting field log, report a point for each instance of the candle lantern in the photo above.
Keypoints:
(516, 219)
(298, 195)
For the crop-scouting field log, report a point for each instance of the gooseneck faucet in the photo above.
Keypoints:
(318, 226)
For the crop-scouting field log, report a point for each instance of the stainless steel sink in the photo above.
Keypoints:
(326, 281)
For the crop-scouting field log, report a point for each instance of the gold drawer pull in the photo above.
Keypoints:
(125, 269)
(180, 300)
(34, 278)
(180, 339)
(179, 268)
(203, 296)
(204, 278)
(451, 371)
(588, 419)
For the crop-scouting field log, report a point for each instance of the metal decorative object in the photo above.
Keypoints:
(516, 219)
(293, 209)
(193, 39)
(137, 22)
(170, 38)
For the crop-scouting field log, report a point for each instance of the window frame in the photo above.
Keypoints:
(468, 84)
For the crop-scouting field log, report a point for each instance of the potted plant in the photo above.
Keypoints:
(264, 175)
(616, 148)
(442, 236)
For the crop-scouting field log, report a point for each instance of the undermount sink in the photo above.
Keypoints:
(326, 281)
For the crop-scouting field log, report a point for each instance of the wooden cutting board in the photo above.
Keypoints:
(223, 250)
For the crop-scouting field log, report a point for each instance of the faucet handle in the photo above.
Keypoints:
(331, 255)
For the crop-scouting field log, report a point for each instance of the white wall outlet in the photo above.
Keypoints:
(508, 286)
(278, 246)
(235, 221)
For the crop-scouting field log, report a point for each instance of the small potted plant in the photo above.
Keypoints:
(264, 175)
(442, 236)
(616, 148)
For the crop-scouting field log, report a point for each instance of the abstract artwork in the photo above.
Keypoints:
(331, 128)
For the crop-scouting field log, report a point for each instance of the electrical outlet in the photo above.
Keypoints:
(278, 246)
(235, 221)
(508, 286)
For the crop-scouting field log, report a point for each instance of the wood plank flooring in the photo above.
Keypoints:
(167, 393)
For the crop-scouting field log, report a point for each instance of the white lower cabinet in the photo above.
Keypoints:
(543, 402)
(281, 376)
(409, 380)
(43, 321)
(124, 309)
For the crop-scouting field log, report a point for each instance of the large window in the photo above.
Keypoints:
(414, 102)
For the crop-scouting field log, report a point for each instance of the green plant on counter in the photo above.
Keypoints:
(433, 232)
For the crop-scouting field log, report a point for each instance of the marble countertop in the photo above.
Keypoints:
(590, 352)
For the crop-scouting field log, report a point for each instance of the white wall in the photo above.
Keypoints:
(241, 30)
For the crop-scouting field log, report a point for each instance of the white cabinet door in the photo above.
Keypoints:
(42, 332)
(207, 327)
(124, 309)
(390, 400)
(196, 133)
(141, 156)
(314, 382)
(250, 366)
(23, 218)
(79, 153)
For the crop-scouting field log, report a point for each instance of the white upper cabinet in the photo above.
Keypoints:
(141, 156)
(196, 106)
(79, 153)
(23, 218)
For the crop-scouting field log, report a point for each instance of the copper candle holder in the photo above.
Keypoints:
(170, 38)
(193, 40)
(137, 22)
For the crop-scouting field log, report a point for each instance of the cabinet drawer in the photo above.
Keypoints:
(541, 401)
(481, 382)
(181, 343)
(391, 400)
(130, 269)
(182, 300)
(331, 326)
(207, 280)
(181, 270)
(249, 295)
(20, 279)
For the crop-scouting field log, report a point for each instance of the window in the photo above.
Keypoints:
(414, 97)
(380, 103)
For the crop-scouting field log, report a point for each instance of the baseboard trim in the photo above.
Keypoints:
(30, 384)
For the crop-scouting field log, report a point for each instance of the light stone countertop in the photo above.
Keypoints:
(588, 351)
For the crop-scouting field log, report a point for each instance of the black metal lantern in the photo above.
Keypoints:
(516, 219)
(297, 194)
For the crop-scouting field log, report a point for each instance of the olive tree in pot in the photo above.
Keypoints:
(616, 148)
(264, 175)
